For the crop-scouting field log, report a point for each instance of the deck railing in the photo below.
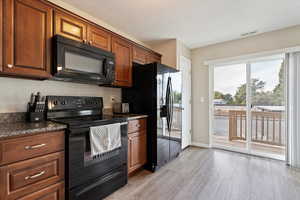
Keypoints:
(267, 127)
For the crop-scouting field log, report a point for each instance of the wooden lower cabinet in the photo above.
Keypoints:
(137, 147)
(39, 174)
(54, 192)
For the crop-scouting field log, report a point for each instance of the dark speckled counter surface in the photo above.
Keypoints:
(15, 126)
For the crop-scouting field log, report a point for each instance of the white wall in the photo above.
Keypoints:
(274, 40)
(15, 93)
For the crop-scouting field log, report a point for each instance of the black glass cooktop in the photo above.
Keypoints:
(90, 120)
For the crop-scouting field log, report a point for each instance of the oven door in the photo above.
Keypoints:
(78, 62)
(83, 167)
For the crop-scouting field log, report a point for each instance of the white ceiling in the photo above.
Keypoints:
(194, 22)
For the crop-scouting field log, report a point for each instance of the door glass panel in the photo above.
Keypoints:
(83, 63)
(161, 101)
(268, 107)
(177, 107)
(229, 107)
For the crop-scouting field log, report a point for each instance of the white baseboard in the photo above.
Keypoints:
(199, 144)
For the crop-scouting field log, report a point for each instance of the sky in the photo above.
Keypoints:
(228, 78)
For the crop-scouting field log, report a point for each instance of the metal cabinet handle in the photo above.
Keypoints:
(91, 42)
(35, 176)
(35, 146)
(10, 66)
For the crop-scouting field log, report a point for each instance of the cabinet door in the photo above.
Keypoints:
(137, 150)
(123, 66)
(70, 27)
(28, 32)
(139, 55)
(99, 38)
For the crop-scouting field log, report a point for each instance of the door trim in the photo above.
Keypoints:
(189, 132)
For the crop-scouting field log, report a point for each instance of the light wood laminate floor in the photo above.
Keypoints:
(208, 174)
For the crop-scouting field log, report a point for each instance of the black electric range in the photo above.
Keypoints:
(87, 177)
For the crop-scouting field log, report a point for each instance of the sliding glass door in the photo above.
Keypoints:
(230, 120)
(249, 107)
(267, 96)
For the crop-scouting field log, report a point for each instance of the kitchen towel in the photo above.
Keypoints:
(105, 138)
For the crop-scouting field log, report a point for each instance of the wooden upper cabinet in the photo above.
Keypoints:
(70, 27)
(123, 62)
(99, 38)
(153, 58)
(28, 32)
(139, 55)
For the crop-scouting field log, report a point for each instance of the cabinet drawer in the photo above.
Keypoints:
(136, 125)
(18, 149)
(28, 176)
(54, 192)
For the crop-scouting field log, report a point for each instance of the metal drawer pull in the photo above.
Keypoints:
(10, 66)
(35, 146)
(35, 176)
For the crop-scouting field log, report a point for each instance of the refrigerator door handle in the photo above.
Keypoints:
(171, 104)
(168, 102)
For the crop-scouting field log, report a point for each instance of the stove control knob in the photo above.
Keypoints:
(63, 103)
(55, 102)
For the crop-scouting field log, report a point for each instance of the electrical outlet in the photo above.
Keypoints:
(112, 99)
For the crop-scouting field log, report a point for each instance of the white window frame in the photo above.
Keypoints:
(246, 60)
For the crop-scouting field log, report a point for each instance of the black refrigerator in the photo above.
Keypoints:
(156, 92)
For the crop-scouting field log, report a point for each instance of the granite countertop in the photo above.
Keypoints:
(132, 116)
(10, 130)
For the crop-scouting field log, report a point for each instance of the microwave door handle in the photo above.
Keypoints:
(104, 67)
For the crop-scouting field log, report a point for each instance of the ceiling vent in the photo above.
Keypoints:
(248, 34)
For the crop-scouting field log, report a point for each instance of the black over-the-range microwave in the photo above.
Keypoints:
(82, 63)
